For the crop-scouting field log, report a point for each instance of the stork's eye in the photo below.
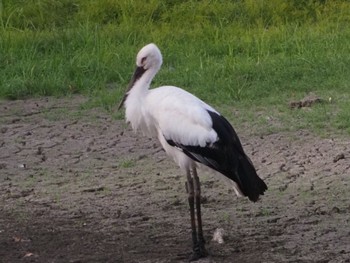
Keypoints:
(143, 60)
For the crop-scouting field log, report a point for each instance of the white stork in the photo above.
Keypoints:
(192, 133)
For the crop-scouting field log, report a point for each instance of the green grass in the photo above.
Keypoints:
(250, 55)
(127, 163)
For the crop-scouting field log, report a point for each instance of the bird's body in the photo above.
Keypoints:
(170, 113)
(189, 130)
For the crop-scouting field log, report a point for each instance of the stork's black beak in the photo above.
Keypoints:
(137, 75)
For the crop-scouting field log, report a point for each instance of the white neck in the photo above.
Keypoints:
(142, 85)
(134, 102)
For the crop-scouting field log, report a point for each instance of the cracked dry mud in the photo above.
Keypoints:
(78, 186)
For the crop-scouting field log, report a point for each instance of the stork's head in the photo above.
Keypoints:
(149, 59)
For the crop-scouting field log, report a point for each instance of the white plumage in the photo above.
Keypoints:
(191, 132)
(182, 118)
(168, 112)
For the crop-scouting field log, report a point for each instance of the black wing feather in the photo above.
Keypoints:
(227, 157)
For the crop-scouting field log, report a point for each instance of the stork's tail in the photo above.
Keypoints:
(249, 183)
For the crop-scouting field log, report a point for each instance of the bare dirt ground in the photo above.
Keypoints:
(78, 186)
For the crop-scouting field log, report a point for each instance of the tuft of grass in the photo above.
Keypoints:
(251, 54)
(127, 163)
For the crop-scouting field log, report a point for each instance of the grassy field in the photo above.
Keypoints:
(250, 55)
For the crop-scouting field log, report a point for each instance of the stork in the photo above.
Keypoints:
(192, 133)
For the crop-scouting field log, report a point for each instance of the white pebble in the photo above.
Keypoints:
(219, 235)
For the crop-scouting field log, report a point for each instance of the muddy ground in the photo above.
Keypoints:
(77, 185)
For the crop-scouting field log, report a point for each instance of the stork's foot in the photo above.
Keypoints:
(198, 252)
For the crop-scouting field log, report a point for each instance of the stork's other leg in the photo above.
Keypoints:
(202, 252)
(190, 192)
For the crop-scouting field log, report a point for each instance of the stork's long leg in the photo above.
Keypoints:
(197, 193)
(190, 192)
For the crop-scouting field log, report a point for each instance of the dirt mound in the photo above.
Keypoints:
(308, 101)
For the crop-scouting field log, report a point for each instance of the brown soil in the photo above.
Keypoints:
(78, 186)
